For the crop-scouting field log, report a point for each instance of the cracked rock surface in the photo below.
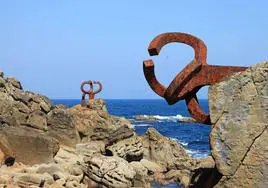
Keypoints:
(239, 112)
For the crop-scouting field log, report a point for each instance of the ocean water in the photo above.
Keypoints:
(194, 137)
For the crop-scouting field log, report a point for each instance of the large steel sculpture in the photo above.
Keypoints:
(193, 77)
(91, 93)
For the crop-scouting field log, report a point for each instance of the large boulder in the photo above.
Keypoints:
(110, 171)
(239, 113)
(165, 151)
(94, 125)
(30, 146)
(61, 125)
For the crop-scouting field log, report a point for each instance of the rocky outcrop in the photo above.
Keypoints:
(110, 171)
(30, 146)
(19, 108)
(42, 145)
(239, 113)
(99, 125)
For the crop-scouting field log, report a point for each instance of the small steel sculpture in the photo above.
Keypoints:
(91, 93)
(193, 77)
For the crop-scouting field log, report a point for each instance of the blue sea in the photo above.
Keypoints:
(194, 137)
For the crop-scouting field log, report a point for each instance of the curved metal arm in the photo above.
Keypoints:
(198, 45)
(100, 87)
(193, 77)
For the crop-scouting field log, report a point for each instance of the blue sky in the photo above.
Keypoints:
(52, 46)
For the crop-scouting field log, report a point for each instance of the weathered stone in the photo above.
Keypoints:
(142, 178)
(239, 113)
(62, 126)
(253, 170)
(90, 148)
(7, 155)
(165, 151)
(151, 166)
(21, 107)
(34, 106)
(14, 82)
(30, 146)
(96, 104)
(50, 168)
(2, 82)
(97, 125)
(109, 171)
(68, 159)
(28, 179)
(130, 149)
(38, 120)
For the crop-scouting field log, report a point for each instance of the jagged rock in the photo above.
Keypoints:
(141, 178)
(181, 176)
(14, 82)
(61, 125)
(239, 113)
(130, 149)
(99, 125)
(109, 171)
(7, 155)
(90, 148)
(50, 168)
(165, 151)
(151, 166)
(38, 120)
(67, 157)
(29, 145)
(97, 105)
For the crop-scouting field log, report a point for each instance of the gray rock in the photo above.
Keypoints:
(239, 112)
(97, 105)
(90, 148)
(165, 151)
(131, 149)
(7, 156)
(2, 82)
(14, 82)
(98, 125)
(61, 125)
(30, 146)
(109, 171)
(151, 166)
(38, 120)
(50, 168)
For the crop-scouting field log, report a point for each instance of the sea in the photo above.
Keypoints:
(194, 137)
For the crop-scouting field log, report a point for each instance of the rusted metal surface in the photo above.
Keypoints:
(91, 93)
(193, 77)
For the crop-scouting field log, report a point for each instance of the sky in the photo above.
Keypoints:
(52, 46)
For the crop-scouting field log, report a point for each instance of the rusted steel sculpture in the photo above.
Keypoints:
(193, 77)
(91, 93)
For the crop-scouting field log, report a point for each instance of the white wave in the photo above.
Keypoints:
(197, 154)
(162, 118)
(168, 117)
(180, 141)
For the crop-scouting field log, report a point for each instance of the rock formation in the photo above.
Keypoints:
(239, 137)
(55, 146)
(43, 145)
